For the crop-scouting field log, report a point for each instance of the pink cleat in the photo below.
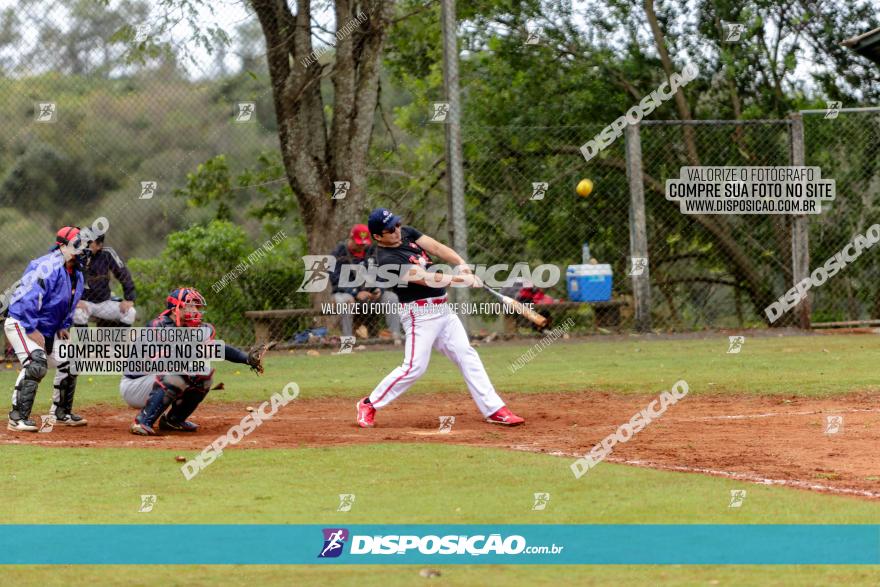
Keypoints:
(365, 414)
(505, 417)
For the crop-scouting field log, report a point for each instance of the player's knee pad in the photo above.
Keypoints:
(174, 385)
(37, 365)
(201, 383)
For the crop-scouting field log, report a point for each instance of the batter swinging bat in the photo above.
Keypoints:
(519, 308)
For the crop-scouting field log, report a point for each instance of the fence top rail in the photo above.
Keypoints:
(518, 126)
(825, 110)
(782, 121)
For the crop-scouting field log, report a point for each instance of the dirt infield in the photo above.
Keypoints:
(772, 440)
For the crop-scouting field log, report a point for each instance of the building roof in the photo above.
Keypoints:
(866, 44)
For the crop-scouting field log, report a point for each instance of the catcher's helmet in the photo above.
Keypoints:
(72, 236)
(177, 302)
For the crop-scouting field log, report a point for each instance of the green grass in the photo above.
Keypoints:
(452, 576)
(394, 483)
(431, 483)
(794, 365)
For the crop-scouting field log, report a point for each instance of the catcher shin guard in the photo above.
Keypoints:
(176, 418)
(62, 401)
(35, 368)
(165, 391)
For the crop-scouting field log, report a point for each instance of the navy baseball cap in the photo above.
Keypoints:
(382, 219)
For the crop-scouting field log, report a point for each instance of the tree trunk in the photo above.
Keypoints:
(318, 148)
(684, 111)
(744, 269)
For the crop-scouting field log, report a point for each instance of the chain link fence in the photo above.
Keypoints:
(717, 270)
(847, 148)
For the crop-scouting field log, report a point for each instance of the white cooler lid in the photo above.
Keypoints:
(589, 269)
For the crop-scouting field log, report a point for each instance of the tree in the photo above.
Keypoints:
(44, 181)
(321, 146)
(10, 37)
(78, 38)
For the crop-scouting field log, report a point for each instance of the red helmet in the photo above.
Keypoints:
(177, 301)
(72, 236)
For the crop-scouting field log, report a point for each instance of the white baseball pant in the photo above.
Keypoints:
(108, 310)
(23, 346)
(436, 326)
(136, 392)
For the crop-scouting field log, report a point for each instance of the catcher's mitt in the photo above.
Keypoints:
(255, 357)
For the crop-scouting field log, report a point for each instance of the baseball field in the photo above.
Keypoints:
(755, 423)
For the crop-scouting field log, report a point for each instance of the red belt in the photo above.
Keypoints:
(427, 301)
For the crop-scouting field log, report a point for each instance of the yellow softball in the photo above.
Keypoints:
(585, 186)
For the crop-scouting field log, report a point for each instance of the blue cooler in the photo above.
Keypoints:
(588, 283)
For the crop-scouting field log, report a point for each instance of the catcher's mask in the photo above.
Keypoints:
(185, 304)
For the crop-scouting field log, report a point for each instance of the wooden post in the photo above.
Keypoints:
(638, 232)
(800, 228)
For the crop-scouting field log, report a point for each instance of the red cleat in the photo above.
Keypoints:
(505, 417)
(365, 414)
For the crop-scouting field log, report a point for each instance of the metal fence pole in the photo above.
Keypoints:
(800, 237)
(638, 232)
(454, 168)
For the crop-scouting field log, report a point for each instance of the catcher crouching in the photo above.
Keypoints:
(155, 393)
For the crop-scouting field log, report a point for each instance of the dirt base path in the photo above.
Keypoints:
(757, 439)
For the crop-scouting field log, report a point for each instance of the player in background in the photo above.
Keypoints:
(428, 321)
(359, 250)
(154, 393)
(37, 324)
(96, 298)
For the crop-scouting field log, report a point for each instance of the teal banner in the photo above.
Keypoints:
(440, 544)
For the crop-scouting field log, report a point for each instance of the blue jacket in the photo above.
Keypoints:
(46, 303)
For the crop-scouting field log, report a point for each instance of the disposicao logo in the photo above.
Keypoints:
(334, 540)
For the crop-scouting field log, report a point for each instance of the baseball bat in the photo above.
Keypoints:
(519, 308)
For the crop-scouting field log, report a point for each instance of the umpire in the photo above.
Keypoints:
(96, 299)
(38, 324)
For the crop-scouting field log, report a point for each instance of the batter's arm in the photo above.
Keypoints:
(437, 249)
(420, 276)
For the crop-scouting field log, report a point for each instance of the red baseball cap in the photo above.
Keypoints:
(360, 234)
